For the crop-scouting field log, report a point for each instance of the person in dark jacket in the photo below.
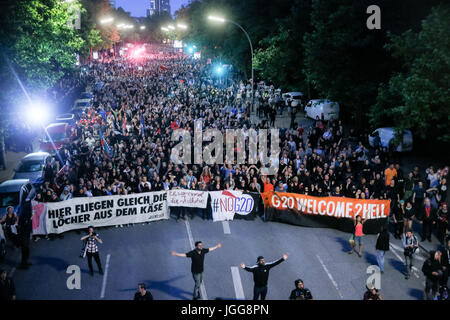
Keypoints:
(300, 292)
(143, 294)
(261, 275)
(399, 213)
(427, 217)
(445, 262)
(24, 232)
(7, 289)
(382, 246)
(432, 269)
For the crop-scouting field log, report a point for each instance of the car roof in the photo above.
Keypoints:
(56, 125)
(295, 93)
(12, 185)
(65, 116)
(390, 129)
(36, 156)
(322, 101)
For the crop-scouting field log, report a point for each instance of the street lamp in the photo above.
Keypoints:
(142, 27)
(106, 20)
(182, 26)
(171, 27)
(223, 20)
(165, 29)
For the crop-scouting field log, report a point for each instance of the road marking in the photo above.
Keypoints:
(191, 242)
(330, 276)
(417, 256)
(396, 254)
(237, 283)
(105, 276)
(226, 227)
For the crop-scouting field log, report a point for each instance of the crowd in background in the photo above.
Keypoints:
(123, 145)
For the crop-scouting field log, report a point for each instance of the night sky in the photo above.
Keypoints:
(138, 8)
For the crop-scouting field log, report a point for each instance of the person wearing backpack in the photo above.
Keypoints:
(410, 245)
(382, 246)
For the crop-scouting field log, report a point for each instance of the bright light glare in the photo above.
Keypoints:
(182, 26)
(217, 19)
(164, 29)
(190, 50)
(171, 27)
(37, 113)
(138, 53)
(142, 27)
(106, 20)
(219, 70)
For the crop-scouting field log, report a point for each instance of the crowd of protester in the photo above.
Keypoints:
(123, 145)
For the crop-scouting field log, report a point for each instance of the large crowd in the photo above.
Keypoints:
(122, 145)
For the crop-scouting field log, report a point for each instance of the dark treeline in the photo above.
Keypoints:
(396, 76)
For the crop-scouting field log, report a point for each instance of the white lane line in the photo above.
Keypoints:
(414, 269)
(105, 276)
(191, 242)
(330, 276)
(396, 254)
(226, 227)
(238, 290)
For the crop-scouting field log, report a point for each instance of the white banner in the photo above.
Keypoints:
(38, 218)
(187, 198)
(79, 213)
(225, 204)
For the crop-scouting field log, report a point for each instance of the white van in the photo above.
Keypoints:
(293, 99)
(319, 109)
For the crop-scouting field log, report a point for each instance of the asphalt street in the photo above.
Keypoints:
(142, 253)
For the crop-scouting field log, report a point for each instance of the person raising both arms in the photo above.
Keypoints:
(358, 234)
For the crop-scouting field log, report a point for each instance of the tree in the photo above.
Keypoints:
(280, 57)
(418, 98)
(96, 35)
(38, 42)
(37, 48)
(153, 24)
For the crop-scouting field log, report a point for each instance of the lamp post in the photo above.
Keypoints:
(222, 20)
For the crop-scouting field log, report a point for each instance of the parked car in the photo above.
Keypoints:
(68, 118)
(55, 136)
(82, 104)
(292, 99)
(86, 96)
(322, 109)
(384, 137)
(31, 166)
(12, 192)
